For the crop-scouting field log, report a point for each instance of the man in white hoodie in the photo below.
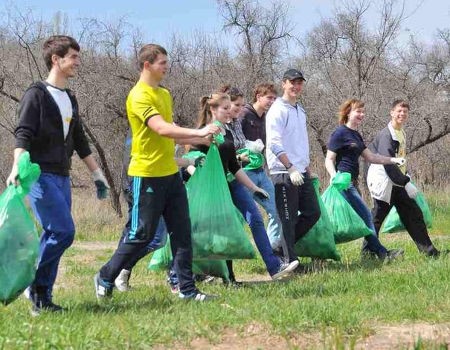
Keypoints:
(287, 152)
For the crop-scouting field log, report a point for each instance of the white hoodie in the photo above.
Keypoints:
(286, 134)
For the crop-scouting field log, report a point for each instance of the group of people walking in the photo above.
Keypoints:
(274, 171)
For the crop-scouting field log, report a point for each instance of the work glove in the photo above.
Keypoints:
(411, 190)
(199, 161)
(399, 161)
(260, 193)
(100, 183)
(295, 176)
(254, 146)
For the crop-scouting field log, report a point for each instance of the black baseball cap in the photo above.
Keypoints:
(293, 74)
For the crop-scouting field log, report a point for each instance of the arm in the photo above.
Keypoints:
(12, 178)
(161, 127)
(243, 178)
(330, 163)
(376, 158)
(194, 141)
(385, 148)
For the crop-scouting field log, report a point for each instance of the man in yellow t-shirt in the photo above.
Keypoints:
(157, 188)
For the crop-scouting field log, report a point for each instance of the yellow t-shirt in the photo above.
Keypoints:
(400, 134)
(152, 155)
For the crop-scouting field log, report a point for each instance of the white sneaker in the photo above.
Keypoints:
(121, 282)
(285, 270)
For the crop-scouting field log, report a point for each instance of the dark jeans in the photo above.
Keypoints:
(291, 200)
(153, 197)
(410, 215)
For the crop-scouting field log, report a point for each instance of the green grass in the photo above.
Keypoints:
(334, 307)
(341, 303)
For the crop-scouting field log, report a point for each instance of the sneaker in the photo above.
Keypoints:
(174, 288)
(390, 255)
(45, 306)
(196, 295)
(393, 254)
(285, 270)
(122, 281)
(434, 253)
(101, 291)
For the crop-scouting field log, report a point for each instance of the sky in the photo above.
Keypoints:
(158, 19)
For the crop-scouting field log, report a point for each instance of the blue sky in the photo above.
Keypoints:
(158, 19)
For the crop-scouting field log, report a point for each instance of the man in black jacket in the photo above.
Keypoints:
(390, 185)
(50, 129)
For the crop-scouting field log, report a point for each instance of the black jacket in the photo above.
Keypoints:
(385, 144)
(40, 131)
(253, 126)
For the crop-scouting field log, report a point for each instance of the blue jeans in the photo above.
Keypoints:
(274, 231)
(51, 201)
(354, 199)
(247, 206)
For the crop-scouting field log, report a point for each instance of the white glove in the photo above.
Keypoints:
(260, 193)
(399, 161)
(411, 190)
(254, 146)
(295, 176)
(100, 183)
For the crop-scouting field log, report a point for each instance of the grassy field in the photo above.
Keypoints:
(351, 304)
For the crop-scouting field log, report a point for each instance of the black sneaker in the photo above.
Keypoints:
(392, 254)
(196, 295)
(45, 306)
(285, 270)
(434, 253)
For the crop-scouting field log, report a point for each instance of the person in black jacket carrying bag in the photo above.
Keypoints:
(391, 186)
(50, 129)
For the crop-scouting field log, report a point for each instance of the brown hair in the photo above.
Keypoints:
(148, 53)
(347, 107)
(232, 91)
(206, 102)
(58, 45)
(401, 103)
(263, 89)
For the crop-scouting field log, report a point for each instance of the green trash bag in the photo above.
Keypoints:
(347, 224)
(217, 225)
(162, 257)
(393, 224)
(216, 268)
(256, 160)
(319, 241)
(19, 238)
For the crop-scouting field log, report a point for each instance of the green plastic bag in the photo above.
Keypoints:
(319, 241)
(217, 225)
(162, 259)
(392, 223)
(256, 160)
(19, 238)
(216, 268)
(347, 224)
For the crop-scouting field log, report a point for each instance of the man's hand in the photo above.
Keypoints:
(260, 193)
(398, 161)
(295, 176)
(411, 190)
(101, 183)
(210, 129)
(13, 176)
